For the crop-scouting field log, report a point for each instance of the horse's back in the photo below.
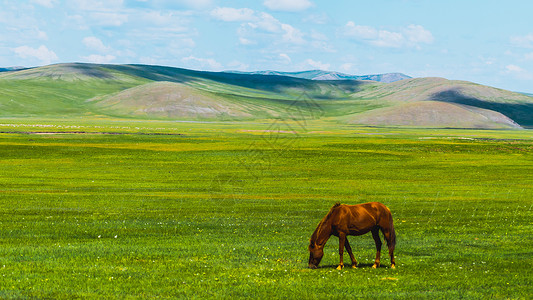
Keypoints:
(373, 208)
(376, 211)
(357, 219)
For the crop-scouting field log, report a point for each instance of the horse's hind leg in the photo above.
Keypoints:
(349, 249)
(390, 237)
(377, 240)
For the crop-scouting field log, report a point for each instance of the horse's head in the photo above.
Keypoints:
(316, 252)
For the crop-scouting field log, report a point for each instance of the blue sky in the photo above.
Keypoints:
(484, 41)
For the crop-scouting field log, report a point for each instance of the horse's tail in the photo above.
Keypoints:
(392, 234)
(392, 243)
(391, 240)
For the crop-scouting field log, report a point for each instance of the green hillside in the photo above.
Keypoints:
(59, 90)
(158, 92)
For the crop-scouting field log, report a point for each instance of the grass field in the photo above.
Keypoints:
(139, 209)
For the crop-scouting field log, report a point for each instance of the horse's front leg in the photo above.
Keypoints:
(342, 240)
(349, 249)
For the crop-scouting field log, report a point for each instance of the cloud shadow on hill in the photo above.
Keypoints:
(519, 112)
(271, 83)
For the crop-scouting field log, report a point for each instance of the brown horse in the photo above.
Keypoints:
(343, 220)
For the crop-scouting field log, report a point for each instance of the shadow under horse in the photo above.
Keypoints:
(343, 220)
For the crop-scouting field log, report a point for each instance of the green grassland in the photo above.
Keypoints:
(121, 208)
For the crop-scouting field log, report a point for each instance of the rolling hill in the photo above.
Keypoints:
(158, 92)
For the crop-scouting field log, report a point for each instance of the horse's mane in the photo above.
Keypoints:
(316, 233)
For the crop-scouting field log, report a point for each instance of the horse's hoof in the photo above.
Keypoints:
(393, 267)
(339, 267)
(354, 266)
(375, 266)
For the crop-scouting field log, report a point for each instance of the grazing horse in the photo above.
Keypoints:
(343, 220)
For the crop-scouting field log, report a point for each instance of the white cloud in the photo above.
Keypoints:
(411, 36)
(514, 69)
(41, 35)
(267, 23)
(97, 5)
(193, 4)
(245, 41)
(518, 72)
(78, 22)
(166, 19)
(45, 3)
(239, 66)
(267, 28)
(292, 35)
(321, 42)
(525, 41)
(389, 39)
(202, 63)
(285, 59)
(418, 34)
(43, 54)
(288, 5)
(315, 35)
(96, 44)
(99, 59)
(347, 67)
(230, 14)
(148, 60)
(109, 18)
(360, 32)
(320, 19)
(317, 64)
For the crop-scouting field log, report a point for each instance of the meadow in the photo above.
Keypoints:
(109, 208)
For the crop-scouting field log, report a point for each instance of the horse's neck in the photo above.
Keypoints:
(323, 233)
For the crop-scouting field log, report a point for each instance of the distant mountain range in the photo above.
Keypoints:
(167, 93)
(11, 69)
(330, 75)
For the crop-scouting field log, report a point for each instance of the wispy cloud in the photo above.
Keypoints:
(288, 5)
(191, 4)
(522, 41)
(320, 19)
(230, 14)
(267, 26)
(95, 43)
(347, 67)
(99, 59)
(45, 3)
(237, 65)
(109, 18)
(256, 26)
(97, 5)
(316, 64)
(202, 63)
(518, 72)
(285, 59)
(410, 36)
